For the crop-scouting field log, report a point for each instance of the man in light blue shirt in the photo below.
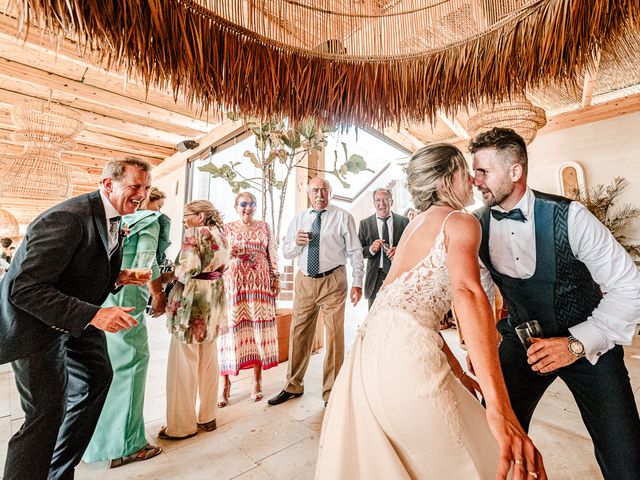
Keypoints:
(321, 238)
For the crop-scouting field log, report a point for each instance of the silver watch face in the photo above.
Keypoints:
(576, 346)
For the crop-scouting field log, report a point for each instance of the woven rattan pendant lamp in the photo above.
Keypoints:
(9, 226)
(518, 114)
(398, 60)
(47, 129)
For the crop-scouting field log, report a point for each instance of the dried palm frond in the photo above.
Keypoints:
(343, 62)
(601, 200)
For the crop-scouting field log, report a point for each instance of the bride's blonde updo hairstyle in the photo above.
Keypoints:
(430, 176)
(212, 217)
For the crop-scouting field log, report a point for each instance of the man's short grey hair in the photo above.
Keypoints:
(383, 190)
(114, 168)
(324, 180)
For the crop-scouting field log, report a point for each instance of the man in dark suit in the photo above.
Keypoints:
(379, 235)
(51, 325)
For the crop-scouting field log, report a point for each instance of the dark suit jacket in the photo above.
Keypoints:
(368, 233)
(58, 278)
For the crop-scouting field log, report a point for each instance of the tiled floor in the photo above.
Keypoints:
(257, 442)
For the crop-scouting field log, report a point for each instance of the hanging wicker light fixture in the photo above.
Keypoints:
(518, 114)
(47, 129)
(9, 226)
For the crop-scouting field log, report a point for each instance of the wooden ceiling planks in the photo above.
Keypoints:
(121, 118)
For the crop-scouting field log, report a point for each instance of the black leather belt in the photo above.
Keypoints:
(324, 274)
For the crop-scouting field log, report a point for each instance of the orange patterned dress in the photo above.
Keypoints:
(252, 338)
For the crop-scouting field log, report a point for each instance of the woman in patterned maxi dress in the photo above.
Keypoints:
(251, 284)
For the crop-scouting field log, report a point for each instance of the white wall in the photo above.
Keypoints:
(173, 185)
(605, 149)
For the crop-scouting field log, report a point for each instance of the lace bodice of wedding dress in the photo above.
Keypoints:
(424, 291)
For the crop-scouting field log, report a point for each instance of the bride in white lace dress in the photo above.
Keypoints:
(397, 410)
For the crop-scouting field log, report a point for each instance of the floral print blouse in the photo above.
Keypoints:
(196, 308)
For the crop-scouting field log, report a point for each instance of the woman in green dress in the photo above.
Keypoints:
(119, 436)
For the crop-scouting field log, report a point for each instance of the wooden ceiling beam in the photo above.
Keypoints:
(10, 69)
(118, 144)
(454, 125)
(65, 55)
(30, 90)
(90, 147)
(403, 137)
(225, 129)
(91, 164)
(95, 122)
(603, 111)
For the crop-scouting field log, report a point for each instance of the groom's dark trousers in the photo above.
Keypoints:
(58, 278)
(602, 392)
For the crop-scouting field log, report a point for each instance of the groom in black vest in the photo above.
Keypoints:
(52, 327)
(556, 263)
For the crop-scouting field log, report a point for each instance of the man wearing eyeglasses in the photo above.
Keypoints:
(321, 238)
(379, 235)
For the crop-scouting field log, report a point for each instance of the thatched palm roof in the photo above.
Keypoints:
(372, 62)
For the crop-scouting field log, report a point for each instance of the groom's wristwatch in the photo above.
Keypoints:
(576, 348)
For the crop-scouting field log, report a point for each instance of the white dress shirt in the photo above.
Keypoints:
(512, 249)
(338, 240)
(380, 223)
(109, 212)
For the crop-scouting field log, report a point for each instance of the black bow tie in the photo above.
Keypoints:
(115, 219)
(515, 214)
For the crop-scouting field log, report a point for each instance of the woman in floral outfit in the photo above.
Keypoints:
(195, 312)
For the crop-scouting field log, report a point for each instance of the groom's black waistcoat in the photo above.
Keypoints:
(561, 293)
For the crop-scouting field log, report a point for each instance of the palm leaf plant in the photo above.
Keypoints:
(601, 201)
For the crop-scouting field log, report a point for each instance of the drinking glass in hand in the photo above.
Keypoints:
(385, 246)
(529, 333)
(141, 266)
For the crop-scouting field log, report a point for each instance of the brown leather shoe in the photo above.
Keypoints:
(165, 436)
(209, 426)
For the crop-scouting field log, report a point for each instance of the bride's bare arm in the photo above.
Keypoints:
(462, 235)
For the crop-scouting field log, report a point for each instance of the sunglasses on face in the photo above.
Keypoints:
(247, 204)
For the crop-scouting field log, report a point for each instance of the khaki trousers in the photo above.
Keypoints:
(192, 372)
(313, 296)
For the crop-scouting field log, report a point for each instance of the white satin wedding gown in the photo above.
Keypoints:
(396, 410)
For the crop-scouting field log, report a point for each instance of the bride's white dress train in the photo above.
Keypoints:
(396, 410)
